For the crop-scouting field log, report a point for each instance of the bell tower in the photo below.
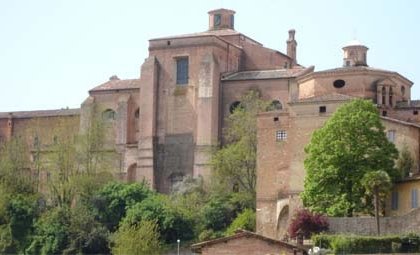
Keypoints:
(355, 54)
(221, 19)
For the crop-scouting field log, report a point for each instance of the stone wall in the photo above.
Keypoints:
(408, 223)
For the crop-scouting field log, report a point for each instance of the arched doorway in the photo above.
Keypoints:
(131, 173)
(282, 219)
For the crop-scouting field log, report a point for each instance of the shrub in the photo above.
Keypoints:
(307, 223)
(245, 220)
(345, 244)
(141, 238)
(218, 213)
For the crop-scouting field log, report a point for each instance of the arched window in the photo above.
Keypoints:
(233, 106)
(390, 96)
(383, 95)
(108, 115)
(137, 113)
(275, 105)
(131, 173)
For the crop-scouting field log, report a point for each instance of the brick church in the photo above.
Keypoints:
(163, 125)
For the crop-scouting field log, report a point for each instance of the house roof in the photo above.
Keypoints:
(324, 98)
(400, 122)
(39, 114)
(115, 83)
(266, 74)
(240, 234)
(355, 69)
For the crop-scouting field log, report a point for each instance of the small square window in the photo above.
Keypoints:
(322, 109)
(415, 112)
(390, 134)
(281, 135)
(384, 113)
(182, 71)
(276, 119)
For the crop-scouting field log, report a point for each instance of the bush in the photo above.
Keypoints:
(140, 238)
(345, 244)
(218, 213)
(307, 223)
(172, 223)
(245, 220)
(113, 200)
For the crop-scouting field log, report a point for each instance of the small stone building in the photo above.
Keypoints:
(245, 242)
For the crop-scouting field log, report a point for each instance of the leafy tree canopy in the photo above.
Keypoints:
(351, 143)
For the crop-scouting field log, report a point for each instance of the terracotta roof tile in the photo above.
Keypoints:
(323, 98)
(264, 74)
(41, 113)
(117, 84)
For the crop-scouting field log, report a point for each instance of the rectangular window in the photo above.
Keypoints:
(322, 109)
(414, 198)
(390, 134)
(182, 71)
(281, 135)
(415, 112)
(394, 200)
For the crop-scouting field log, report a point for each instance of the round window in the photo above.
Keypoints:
(339, 83)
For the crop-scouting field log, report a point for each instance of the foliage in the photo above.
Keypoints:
(351, 143)
(245, 220)
(235, 162)
(353, 244)
(307, 223)
(218, 213)
(377, 184)
(140, 238)
(405, 162)
(113, 200)
(14, 167)
(172, 223)
(69, 231)
(52, 232)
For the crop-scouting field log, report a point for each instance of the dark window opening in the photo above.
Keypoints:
(390, 96)
(182, 71)
(137, 113)
(217, 20)
(36, 141)
(275, 105)
(276, 119)
(383, 95)
(233, 106)
(415, 112)
(394, 200)
(232, 21)
(322, 109)
(402, 91)
(55, 139)
(339, 83)
(384, 113)
(168, 43)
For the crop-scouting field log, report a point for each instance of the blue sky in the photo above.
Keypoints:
(52, 52)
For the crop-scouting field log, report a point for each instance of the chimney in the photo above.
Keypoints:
(291, 46)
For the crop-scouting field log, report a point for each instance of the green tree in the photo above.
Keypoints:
(377, 184)
(245, 220)
(350, 144)
(235, 162)
(405, 162)
(141, 238)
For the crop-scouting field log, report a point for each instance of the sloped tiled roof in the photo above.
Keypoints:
(41, 113)
(219, 32)
(117, 84)
(264, 74)
(324, 98)
(241, 234)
